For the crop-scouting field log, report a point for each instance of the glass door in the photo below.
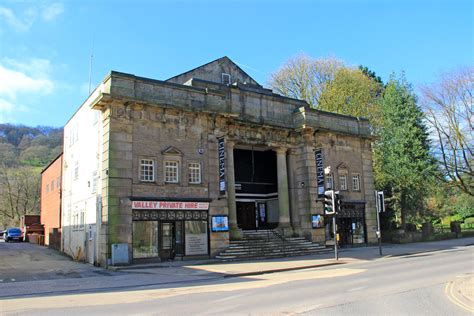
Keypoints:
(167, 243)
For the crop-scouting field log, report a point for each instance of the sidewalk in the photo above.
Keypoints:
(180, 273)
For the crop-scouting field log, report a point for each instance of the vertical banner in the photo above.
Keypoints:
(221, 153)
(320, 172)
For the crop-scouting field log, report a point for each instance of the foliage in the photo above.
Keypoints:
(449, 107)
(402, 163)
(353, 93)
(30, 146)
(19, 193)
(304, 78)
(24, 151)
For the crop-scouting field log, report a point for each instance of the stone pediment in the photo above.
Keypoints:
(171, 150)
(213, 72)
(342, 166)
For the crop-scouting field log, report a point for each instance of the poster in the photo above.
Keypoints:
(317, 221)
(220, 223)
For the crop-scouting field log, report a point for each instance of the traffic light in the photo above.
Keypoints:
(338, 201)
(329, 202)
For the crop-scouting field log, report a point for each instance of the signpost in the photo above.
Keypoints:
(380, 205)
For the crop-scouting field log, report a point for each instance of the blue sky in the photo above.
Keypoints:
(45, 46)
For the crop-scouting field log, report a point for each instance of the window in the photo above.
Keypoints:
(343, 182)
(47, 188)
(194, 172)
(82, 219)
(226, 78)
(94, 181)
(355, 183)
(329, 181)
(58, 182)
(76, 170)
(52, 185)
(147, 173)
(171, 171)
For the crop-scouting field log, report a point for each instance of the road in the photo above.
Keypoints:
(418, 284)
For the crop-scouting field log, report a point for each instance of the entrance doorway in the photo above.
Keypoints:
(171, 241)
(246, 215)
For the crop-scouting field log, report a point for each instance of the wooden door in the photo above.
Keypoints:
(246, 216)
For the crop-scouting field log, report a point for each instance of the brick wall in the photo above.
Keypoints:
(51, 198)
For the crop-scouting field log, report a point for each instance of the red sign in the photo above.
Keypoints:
(162, 205)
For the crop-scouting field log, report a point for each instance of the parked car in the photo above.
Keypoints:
(13, 234)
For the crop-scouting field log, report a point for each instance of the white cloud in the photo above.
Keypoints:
(8, 111)
(18, 24)
(24, 22)
(30, 77)
(21, 80)
(50, 12)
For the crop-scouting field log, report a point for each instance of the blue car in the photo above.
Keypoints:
(13, 234)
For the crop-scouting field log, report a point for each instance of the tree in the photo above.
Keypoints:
(402, 162)
(353, 93)
(19, 193)
(304, 78)
(449, 107)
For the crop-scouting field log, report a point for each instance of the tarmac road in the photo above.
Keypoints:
(419, 284)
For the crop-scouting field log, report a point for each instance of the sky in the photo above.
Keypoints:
(45, 46)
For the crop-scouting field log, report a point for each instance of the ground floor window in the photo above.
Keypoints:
(145, 239)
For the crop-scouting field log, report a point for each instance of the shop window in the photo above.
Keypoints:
(147, 172)
(355, 182)
(145, 239)
(194, 173)
(171, 171)
(196, 238)
(343, 182)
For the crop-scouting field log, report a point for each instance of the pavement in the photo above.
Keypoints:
(73, 277)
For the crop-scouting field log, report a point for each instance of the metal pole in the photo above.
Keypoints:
(336, 255)
(378, 207)
(379, 233)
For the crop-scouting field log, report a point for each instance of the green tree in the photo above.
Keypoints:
(353, 93)
(402, 163)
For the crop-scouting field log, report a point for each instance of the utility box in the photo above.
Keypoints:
(119, 254)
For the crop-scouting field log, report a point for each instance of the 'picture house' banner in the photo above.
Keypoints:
(320, 172)
(221, 152)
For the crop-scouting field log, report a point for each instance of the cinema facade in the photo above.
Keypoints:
(178, 168)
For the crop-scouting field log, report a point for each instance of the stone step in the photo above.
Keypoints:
(268, 256)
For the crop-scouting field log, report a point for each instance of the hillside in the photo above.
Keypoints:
(29, 146)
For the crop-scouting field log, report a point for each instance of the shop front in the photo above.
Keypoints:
(351, 226)
(168, 230)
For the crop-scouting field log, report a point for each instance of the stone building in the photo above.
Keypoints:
(179, 161)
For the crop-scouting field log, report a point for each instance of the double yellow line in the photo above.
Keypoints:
(449, 291)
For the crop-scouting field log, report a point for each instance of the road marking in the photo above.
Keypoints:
(230, 298)
(448, 290)
(357, 289)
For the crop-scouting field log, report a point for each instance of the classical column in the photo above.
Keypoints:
(234, 229)
(283, 196)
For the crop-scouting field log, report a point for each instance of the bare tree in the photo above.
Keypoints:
(449, 110)
(19, 193)
(304, 78)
